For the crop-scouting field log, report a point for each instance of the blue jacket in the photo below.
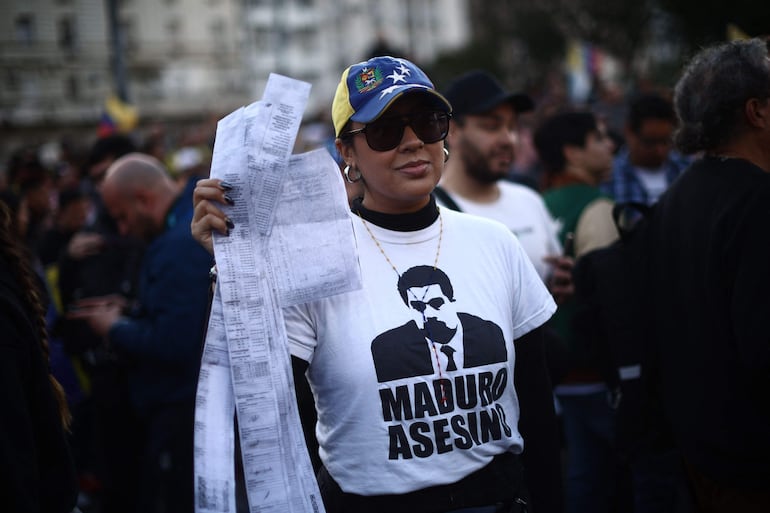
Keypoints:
(164, 336)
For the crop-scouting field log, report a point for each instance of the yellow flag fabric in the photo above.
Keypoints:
(118, 116)
(735, 33)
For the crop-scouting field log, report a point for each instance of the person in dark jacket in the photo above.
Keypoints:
(37, 473)
(576, 154)
(710, 276)
(162, 337)
(98, 261)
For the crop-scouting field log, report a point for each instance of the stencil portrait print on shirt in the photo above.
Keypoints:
(464, 339)
(458, 407)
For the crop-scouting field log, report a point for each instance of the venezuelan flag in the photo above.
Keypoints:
(734, 33)
(117, 117)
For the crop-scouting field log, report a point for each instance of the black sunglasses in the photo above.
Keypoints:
(435, 303)
(655, 141)
(385, 134)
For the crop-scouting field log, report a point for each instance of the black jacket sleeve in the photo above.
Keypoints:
(307, 412)
(537, 425)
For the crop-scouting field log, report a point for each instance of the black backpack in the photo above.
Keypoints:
(613, 320)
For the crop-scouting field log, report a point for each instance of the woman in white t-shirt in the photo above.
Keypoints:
(413, 374)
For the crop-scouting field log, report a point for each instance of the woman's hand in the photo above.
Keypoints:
(207, 215)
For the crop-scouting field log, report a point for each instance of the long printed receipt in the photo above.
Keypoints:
(292, 243)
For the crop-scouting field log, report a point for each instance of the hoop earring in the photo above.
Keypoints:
(446, 154)
(346, 172)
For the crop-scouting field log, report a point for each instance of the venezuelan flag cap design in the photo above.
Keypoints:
(368, 88)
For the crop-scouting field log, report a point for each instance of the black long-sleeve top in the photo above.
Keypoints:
(36, 468)
(711, 290)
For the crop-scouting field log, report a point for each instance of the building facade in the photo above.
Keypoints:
(188, 58)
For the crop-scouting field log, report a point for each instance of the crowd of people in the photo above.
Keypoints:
(124, 290)
(467, 253)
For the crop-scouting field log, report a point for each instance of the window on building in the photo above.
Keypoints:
(262, 38)
(72, 88)
(434, 17)
(66, 33)
(94, 80)
(128, 40)
(172, 28)
(306, 39)
(218, 36)
(174, 31)
(12, 82)
(25, 29)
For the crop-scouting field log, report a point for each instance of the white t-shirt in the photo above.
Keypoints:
(523, 211)
(653, 180)
(383, 426)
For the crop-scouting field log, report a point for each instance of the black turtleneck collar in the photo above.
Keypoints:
(411, 222)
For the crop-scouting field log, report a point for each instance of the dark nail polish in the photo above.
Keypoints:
(227, 232)
(229, 200)
(225, 186)
(229, 223)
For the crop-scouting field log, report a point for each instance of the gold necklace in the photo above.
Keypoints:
(435, 266)
(379, 246)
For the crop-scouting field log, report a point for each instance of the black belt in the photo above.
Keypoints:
(500, 483)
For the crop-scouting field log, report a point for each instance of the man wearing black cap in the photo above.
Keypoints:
(482, 144)
(482, 140)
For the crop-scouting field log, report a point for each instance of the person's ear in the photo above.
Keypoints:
(143, 198)
(454, 132)
(758, 112)
(571, 153)
(345, 150)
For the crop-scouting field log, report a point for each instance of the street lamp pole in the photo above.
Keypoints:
(117, 58)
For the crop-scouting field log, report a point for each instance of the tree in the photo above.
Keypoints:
(703, 22)
(522, 42)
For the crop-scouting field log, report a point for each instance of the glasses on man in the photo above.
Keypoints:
(420, 306)
(386, 133)
(651, 142)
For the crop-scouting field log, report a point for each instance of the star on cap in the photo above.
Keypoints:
(404, 70)
(396, 77)
(387, 91)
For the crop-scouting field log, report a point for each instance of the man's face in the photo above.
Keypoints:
(596, 156)
(39, 200)
(486, 143)
(74, 215)
(22, 218)
(97, 171)
(131, 213)
(650, 145)
(433, 312)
